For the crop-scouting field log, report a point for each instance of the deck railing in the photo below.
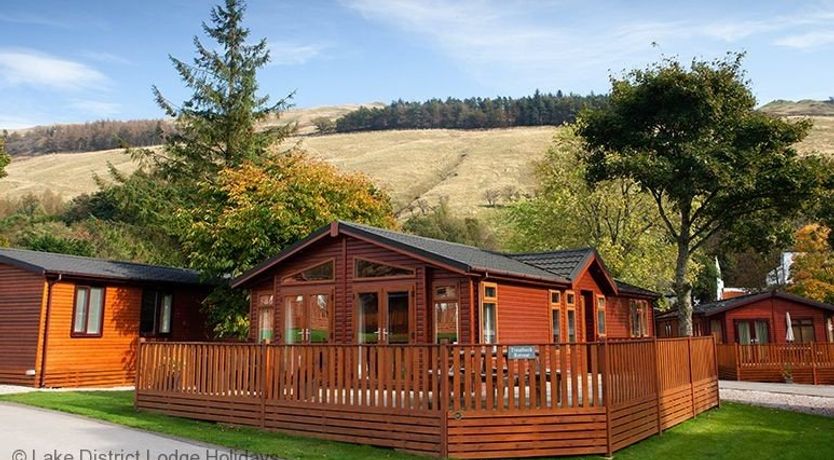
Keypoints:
(801, 362)
(456, 400)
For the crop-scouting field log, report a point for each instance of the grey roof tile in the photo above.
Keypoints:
(69, 265)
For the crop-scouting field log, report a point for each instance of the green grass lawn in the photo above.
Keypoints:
(735, 431)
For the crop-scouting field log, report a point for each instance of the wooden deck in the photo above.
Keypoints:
(443, 400)
(811, 363)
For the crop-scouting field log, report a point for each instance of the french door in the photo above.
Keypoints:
(308, 316)
(384, 314)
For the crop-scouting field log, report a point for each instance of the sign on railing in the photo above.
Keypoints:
(522, 352)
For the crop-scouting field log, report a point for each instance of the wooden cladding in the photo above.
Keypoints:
(811, 363)
(461, 401)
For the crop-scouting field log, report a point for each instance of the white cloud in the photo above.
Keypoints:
(287, 53)
(520, 41)
(95, 108)
(33, 20)
(807, 40)
(26, 67)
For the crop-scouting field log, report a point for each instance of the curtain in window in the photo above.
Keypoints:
(743, 333)
(761, 331)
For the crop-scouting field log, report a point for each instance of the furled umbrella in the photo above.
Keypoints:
(789, 335)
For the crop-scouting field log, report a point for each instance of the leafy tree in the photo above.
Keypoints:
(812, 272)
(49, 242)
(257, 209)
(5, 159)
(614, 216)
(441, 224)
(693, 139)
(324, 125)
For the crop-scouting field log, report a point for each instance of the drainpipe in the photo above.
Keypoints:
(42, 378)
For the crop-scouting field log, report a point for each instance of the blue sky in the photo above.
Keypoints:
(63, 61)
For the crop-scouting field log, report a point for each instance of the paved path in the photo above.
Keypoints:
(35, 434)
(812, 399)
(11, 389)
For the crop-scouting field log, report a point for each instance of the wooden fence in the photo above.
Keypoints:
(805, 362)
(459, 401)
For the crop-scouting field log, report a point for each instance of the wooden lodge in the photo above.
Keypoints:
(68, 321)
(350, 283)
(752, 333)
(370, 336)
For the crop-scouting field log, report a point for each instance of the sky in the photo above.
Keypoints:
(82, 60)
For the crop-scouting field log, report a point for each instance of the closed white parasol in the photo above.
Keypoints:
(789, 335)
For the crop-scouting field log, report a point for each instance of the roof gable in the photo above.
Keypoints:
(721, 306)
(570, 263)
(458, 257)
(48, 263)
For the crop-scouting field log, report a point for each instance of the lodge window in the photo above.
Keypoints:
(556, 316)
(88, 311)
(364, 268)
(601, 316)
(638, 319)
(446, 314)
(570, 315)
(717, 330)
(489, 313)
(266, 318)
(803, 330)
(317, 273)
(156, 312)
(752, 331)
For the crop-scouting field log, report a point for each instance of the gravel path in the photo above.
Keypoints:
(793, 402)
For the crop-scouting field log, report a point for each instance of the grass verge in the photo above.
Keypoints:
(735, 431)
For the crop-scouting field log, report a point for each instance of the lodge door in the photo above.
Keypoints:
(308, 316)
(384, 314)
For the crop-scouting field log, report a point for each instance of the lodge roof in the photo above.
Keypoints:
(554, 266)
(48, 263)
(713, 308)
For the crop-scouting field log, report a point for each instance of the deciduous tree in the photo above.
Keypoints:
(692, 138)
(812, 272)
(614, 216)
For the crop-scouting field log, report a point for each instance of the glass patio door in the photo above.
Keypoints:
(307, 318)
(384, 316)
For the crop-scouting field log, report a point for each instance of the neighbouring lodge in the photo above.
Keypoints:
(760, 318)
(74, 321)
(351, 283)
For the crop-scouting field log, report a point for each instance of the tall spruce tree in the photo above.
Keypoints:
(220, 125)
(5, 159)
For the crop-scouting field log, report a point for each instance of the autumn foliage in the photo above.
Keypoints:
(812, 272)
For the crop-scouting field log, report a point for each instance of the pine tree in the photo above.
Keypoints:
(219, 125)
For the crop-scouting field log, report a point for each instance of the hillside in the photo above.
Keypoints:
(410, 165)
(805, 107)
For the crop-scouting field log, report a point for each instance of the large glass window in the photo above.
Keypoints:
(156, 312)
(88, 314)
(752, 331)
(803, 330)
(320, 272)
(446, 314)
(364, 268)
(489, 313)
(266, 319)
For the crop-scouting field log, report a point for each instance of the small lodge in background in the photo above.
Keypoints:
(69, 321)
(350, 283)
(758, 318)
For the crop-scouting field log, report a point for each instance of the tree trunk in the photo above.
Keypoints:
(683, 290)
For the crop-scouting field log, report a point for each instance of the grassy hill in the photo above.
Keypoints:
(410, 165)
(805, 107)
